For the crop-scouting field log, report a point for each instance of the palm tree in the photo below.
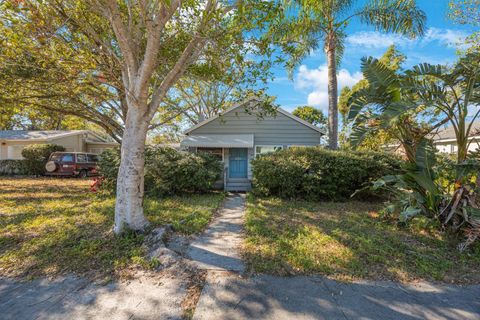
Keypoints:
(308, 23)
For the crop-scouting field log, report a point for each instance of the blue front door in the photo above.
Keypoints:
(238, 162)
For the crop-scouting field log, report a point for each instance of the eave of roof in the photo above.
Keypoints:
(53, 136)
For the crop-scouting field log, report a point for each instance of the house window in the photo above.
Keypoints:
(262, 150)
(216, 152)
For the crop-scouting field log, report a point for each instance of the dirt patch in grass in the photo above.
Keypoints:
(351, 241)
(56, 226)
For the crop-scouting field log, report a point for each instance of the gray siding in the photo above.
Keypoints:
(279, 130)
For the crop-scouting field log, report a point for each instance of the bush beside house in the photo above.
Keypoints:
(167, 171)
(319, 174)
(12, 167)
(36, 156)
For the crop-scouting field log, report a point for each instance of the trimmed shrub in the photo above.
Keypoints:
(320, 174)
(12, 167)
(167, 171)
(36, 156)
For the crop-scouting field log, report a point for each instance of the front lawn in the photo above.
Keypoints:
(54, 226)
(350, 241)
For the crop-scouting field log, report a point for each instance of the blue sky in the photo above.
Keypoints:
(309, 85)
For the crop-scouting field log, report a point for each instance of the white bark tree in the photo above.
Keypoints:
(138, 64)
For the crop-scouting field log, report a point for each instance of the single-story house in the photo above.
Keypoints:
(236, 136)
(445, 141)
(12, 142)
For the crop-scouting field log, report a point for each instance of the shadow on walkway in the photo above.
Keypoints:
(217, 248)
(278, 298)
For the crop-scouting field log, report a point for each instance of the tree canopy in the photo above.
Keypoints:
(311, 115)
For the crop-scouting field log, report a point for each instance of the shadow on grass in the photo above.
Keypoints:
(49, 228)
(349, 241)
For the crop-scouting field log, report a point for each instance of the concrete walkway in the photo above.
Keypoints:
(277, 298)
(75, 298)
(217, 247)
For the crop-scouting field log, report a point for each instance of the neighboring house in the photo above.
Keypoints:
(236, 137)
(12, 142)
(445, 141)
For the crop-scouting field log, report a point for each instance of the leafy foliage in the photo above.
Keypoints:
(167, 171)
(315, 173)
(393, 60)
(12, 167)
(36, 156)
(311, 115)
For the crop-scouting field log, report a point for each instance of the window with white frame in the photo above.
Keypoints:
(263, 150)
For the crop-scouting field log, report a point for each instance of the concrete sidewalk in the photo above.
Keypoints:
(218, 247)
(277, 298)
(75, 298)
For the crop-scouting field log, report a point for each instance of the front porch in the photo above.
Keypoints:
(234, 151)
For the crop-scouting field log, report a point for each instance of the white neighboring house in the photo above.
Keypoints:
(12, 142)
(445, 142)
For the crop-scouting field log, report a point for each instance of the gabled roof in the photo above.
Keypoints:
(240, 104)
(42, 135)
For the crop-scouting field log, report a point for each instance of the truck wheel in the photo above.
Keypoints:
(82, 174)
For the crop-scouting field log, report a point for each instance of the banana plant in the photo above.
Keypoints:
(391, 101)
(417, 102)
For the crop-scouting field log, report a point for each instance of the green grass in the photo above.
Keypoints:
(350, 241)
(55, 226)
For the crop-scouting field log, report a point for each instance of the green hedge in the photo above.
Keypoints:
(167, 171)
(13, 167)
(319, 174)
(36, 157)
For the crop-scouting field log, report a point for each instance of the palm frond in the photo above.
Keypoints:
(377, 74)
(397, 16)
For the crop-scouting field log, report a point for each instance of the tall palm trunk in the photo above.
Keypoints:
(332, 94)
(130, 188)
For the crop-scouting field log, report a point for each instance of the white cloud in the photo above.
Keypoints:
(377, 40)
(316, 81)
(448, 37)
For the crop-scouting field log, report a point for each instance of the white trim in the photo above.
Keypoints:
(266, 145)
(219, 141)
(286, 113)
(57, 136)
(97, 142)
(455, 140)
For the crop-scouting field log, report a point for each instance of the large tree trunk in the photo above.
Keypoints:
(130, 188)
(332, 95)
